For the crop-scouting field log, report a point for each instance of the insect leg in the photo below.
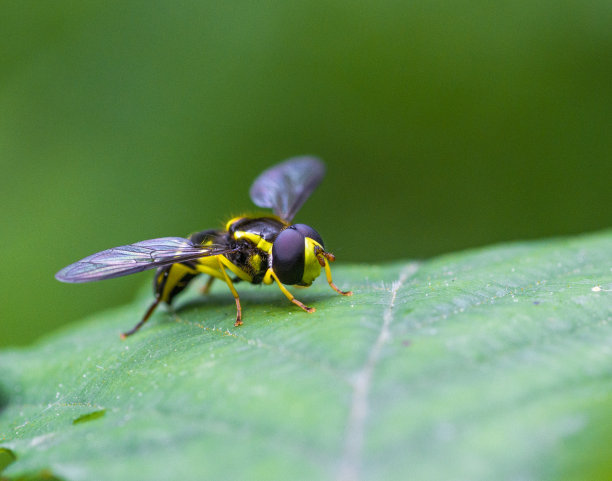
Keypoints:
(206, 288)
(234, 292)
(289, 295)
(327, 258)
(144, 319)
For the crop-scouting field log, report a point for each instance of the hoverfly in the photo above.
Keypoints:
(264, 249)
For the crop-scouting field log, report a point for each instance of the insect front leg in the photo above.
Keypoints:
(324, 259)
(288, 294)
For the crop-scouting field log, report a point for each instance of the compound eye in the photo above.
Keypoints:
(308, 231)
(288, 256)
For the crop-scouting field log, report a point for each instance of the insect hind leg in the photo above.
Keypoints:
(206, 288)
(144, 319)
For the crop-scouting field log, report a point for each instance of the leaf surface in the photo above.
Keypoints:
(487, 364)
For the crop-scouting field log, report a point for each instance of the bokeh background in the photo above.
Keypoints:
(445, 125)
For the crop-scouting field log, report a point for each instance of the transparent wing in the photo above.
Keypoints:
(132, 258)
(286, 186)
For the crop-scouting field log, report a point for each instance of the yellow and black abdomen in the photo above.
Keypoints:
(171, 280)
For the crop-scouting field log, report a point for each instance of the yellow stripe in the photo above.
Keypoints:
(312, 268)
(254, 239)
(233, 221)
(175, 274)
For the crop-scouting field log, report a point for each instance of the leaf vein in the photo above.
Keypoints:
(350, 462)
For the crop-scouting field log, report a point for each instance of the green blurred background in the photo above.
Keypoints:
(444, 125)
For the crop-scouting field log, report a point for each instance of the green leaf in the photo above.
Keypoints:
(486, 364)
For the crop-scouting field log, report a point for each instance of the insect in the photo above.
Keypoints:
(263, 249)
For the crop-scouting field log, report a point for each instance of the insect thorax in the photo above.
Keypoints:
(254, 236)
